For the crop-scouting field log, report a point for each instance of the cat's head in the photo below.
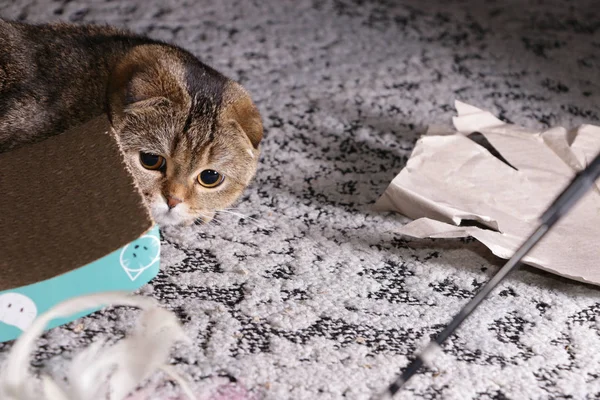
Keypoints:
(190, 135)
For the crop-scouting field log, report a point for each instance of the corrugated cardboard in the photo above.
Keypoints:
(66, 201)
(72, 222)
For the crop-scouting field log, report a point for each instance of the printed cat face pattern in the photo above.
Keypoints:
(17, 310)
(140, 255)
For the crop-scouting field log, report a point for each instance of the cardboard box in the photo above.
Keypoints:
(72, 222)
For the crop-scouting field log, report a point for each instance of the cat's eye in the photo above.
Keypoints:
(210, 178)
(152, 161)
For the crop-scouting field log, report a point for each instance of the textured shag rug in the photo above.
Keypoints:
(314, 296)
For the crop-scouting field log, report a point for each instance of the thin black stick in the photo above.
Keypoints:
(578, 187)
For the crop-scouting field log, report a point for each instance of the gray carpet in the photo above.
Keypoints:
(316, 297)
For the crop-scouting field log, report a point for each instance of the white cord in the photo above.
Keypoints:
(97, 370)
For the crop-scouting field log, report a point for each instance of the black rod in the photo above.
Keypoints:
(578, 187)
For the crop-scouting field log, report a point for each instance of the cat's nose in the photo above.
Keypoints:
(173, 201)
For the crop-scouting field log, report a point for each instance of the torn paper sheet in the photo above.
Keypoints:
(453, 186)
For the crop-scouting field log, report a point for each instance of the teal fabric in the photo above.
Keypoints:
(125, 269)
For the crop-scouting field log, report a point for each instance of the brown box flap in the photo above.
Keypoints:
(65, 202)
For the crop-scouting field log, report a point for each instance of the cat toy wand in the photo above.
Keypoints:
(578, 187)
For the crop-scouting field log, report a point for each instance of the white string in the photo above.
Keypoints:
(97, 370)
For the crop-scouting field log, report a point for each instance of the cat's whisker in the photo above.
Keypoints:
(239, 215)
(242, 216)
(235, 211)
(200, 222)
(207, 216)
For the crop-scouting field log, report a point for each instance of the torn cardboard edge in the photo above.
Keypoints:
(70, 209)
(453, 186)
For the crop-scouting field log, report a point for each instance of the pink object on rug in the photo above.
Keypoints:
(230, 391)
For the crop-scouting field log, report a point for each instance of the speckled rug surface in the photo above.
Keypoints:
(315, 296)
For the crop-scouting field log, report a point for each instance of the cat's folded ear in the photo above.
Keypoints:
(239, 108)
(144, 79)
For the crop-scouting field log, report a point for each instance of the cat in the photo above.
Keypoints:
(190, 135)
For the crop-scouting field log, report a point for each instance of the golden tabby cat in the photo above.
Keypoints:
(190, 135)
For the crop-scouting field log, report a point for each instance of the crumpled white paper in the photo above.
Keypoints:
(98, 370)
(454, 187)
